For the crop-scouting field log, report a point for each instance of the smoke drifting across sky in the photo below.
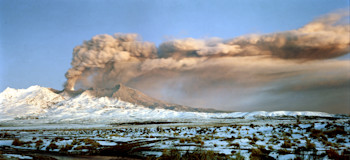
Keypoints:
(290, 70)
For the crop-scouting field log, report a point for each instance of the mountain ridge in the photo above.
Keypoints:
(44, 105)
(133, 96)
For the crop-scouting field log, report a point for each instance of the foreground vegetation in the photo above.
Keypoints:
(259, 139)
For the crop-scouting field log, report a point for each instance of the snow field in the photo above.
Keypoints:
(304, 139)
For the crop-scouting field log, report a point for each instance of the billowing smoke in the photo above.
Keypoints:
(193, 68)
(320, 39)
(104, 54)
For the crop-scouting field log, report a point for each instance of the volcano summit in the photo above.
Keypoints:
(133, 96)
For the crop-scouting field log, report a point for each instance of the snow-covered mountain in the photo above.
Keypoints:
(121, 104)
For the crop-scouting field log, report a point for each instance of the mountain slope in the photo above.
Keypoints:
(121, 104)
(136, 97)
(34, 100)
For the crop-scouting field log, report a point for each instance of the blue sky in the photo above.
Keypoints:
(37, 36)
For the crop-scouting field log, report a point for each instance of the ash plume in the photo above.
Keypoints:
(186, 68)
(102, 53)
(323, 38)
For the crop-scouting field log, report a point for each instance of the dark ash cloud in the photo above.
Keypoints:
(225, 74)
